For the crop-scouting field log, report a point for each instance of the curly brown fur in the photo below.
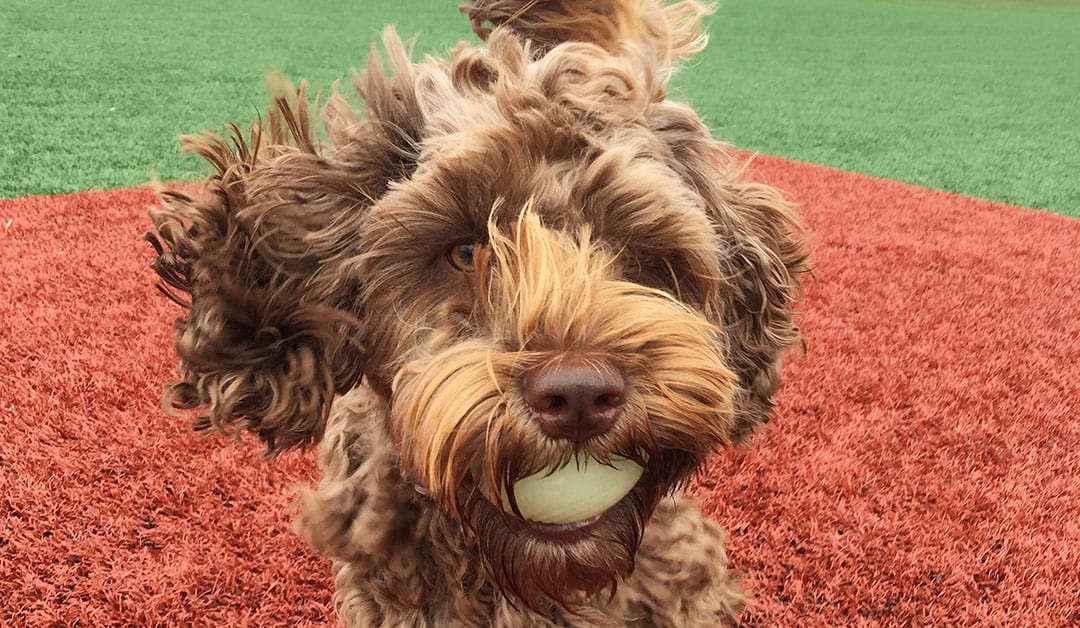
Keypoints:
(668, 32)
(269, 337)
(606, 224)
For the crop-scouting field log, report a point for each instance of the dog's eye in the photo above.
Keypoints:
(463, 257)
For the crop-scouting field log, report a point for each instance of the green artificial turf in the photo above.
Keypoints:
(95, 93)
(980, 97)
(977, 97)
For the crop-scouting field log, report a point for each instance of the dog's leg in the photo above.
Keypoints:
(681, 578)
(359, 516)
(397, 561)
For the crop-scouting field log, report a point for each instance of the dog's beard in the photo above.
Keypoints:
(530, 566)
(541, 567)
(467, 436)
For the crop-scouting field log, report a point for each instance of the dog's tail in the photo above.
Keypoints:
(671, 29)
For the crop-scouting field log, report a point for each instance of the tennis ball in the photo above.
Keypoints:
(579, 490)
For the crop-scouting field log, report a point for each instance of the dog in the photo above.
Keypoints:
(517, 300)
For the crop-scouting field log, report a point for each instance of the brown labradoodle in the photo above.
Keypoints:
(519, 300)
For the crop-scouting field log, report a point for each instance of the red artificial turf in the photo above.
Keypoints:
(924, 465)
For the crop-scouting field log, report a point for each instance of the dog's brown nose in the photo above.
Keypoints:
(575, 398)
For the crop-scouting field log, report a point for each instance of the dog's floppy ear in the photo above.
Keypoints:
(762, 253)
(263, 260)
(670, 31)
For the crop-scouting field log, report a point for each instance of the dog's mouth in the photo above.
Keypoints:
(572, 499)
(565, 532)
(585, 544)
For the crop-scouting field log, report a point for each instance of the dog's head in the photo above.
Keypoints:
(551, 273)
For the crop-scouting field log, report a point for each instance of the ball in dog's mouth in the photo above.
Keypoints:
(581, 490)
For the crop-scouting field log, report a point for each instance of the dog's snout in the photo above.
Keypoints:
(575, 398)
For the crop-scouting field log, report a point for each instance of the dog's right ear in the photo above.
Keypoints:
(263, 260)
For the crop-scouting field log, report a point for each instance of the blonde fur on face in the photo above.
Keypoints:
(606, 229)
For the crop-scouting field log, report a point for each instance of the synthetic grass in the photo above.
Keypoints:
(980, 98)
(924, 466)
(95, 93)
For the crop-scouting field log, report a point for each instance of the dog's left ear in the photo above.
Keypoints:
(762, 249)
(763, 258)
(263, 261)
